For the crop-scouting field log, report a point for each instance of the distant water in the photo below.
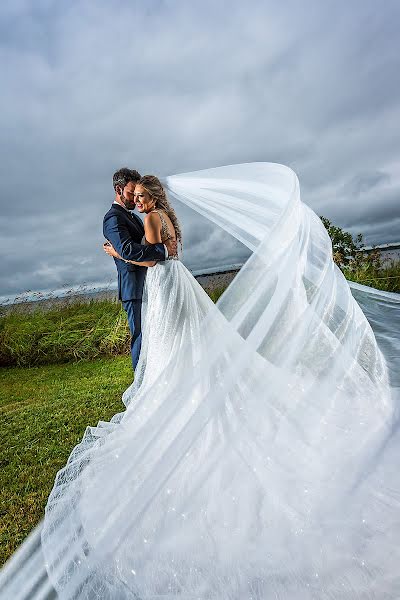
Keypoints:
(391, 254)
(94, 288)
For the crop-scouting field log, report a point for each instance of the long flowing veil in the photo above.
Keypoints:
(269, 468)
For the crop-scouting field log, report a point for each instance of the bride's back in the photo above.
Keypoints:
(167, 228)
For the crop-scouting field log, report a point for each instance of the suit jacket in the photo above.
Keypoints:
(125, 231)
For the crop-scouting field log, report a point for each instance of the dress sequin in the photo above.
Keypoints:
(165, 234)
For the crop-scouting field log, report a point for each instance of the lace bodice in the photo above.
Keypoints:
(165, 233)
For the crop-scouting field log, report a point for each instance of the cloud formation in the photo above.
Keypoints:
(172, 86)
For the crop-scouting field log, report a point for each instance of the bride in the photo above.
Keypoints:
(258, 453)
(174, 303)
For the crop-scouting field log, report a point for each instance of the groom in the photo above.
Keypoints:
(125, 232)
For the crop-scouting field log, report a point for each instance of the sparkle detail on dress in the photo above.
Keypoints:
(165, 234)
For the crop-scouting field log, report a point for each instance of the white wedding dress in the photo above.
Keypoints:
(257, 457)
(174, 306)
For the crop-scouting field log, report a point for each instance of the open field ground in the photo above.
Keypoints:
(65, 332)
(81, 328)
(44, 413)
(65, 366)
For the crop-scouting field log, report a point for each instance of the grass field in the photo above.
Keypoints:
(44, 412)
(64, 369)
(66, 333)
(384, 276)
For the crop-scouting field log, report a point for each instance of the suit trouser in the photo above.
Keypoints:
(133, 309)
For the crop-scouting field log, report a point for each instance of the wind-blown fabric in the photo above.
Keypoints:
(260, 459)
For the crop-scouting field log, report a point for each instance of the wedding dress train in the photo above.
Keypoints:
(258, 453)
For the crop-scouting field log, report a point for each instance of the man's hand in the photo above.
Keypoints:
(172, 247)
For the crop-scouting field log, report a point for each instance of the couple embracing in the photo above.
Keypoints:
(163, 301)
(258, 453)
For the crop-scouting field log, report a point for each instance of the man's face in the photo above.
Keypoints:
(127, 195)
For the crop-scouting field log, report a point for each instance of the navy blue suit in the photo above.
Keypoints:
(125, 232)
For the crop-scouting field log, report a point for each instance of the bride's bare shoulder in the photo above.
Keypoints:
(152, 217)
(152, 227)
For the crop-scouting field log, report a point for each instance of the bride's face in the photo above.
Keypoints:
(144, 202)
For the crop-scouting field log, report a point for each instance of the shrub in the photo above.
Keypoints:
(368, 268)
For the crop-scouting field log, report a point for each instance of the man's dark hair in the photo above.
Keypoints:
(124, 176)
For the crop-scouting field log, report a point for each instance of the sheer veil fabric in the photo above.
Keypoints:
(260, 460)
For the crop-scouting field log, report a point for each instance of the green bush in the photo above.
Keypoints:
(368, 268)
(375, 272)
(80, 330)
(67, 333)
(345, 247)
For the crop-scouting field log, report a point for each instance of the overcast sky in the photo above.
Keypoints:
(173, 86)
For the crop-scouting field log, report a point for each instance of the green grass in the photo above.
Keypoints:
(45, 411)
(383, 276)
(78, 366)
(216, 293)
(88, 330)
(66, 333)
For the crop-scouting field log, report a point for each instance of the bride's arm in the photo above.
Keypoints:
(116, 231)
(152, 232)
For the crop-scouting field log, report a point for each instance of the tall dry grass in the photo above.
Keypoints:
(67, 332)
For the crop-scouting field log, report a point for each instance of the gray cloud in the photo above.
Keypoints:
(171, 86)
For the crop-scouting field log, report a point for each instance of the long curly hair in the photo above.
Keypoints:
(153, 186)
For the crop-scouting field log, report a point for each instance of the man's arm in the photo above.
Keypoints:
(117, 233)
